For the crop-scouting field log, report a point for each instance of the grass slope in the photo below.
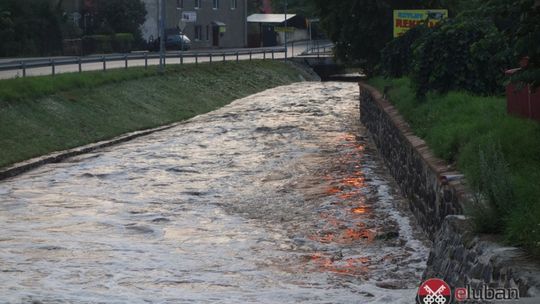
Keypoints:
(470, 131)
(39, 115)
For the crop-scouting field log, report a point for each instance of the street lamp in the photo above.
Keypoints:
(181, 27)
(286, 30)
(162, 37)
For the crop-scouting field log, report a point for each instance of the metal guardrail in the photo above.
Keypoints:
(146, 56)
(313, 47)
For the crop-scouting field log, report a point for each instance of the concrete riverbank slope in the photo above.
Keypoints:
(40, 115)
(437, 197)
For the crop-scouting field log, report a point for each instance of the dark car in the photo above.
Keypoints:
(177, 42)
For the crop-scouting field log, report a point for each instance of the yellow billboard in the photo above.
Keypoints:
(407, 19)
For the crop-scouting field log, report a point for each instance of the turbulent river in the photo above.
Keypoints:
(279, 197)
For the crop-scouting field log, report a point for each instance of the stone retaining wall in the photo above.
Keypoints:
(433, 189)
(437, 196)
(463, 257)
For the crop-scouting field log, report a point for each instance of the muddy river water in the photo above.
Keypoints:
(279, 197)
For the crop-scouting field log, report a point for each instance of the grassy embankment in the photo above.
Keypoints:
(39, 115)
(499, 155)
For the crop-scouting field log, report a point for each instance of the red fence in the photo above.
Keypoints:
(522, 100)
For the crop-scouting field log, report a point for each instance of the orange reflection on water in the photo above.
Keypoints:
(357, 182)
(351, 141)
(351, 266)
(342, 225)
(359, 210)
(347, 137)
(333, 190)
(347, 196)
(358, 173)
(345, 236)
(331, 221)
(354, 261)
(354, 234)
(327, 238)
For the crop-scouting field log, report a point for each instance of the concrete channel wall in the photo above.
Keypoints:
(437, 196)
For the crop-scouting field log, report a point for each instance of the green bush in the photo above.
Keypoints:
(461, 54)
(494, 192)
(96, 44)
(497, 153)
(396, 56)
(102, 44)
(123, 42)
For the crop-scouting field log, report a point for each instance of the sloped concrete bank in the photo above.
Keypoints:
(437, 196)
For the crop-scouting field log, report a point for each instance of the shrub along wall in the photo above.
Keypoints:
(100, 44)
(497, 153)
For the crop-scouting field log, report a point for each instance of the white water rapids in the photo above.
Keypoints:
(276, 198)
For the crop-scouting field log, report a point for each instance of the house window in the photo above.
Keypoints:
(197, 4)
(179, 3)
(198, 32)
(216, 4)
(234, 4)
(208, 32)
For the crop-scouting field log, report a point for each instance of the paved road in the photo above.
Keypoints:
(299, 48)
(276, 198)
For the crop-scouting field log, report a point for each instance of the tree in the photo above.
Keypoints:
(305, 8)
(461, 54)
(254, 6)
(30, 28)
(7, 32)
(527, 45)
(119, 16)
(361, 28)
(470, 51)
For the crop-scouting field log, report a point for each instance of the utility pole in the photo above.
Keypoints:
(245, 23)
(162, 10)
(286, 30)
(182, 23)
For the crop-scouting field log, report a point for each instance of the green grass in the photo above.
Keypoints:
(39, 115)
(462, 129)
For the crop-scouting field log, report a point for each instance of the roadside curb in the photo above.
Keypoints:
(56, 157)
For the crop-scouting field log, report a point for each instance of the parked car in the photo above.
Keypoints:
(177, 42)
